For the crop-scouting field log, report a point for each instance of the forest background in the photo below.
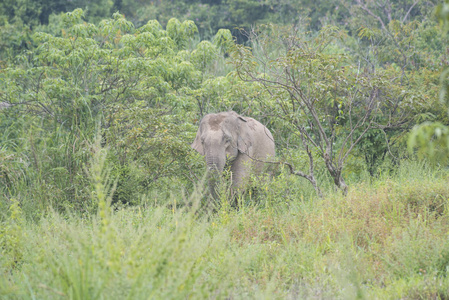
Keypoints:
(100, 192)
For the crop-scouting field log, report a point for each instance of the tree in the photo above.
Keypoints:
(138, 84)
(432, 138)
(328, 103)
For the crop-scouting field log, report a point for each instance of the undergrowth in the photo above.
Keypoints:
(384, 240)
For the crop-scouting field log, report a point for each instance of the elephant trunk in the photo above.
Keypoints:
(215, 164)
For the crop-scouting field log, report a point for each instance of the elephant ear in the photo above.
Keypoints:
(243, 145)
(197, 145)
(244, 138)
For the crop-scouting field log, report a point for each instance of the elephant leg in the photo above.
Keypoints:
(241, 169)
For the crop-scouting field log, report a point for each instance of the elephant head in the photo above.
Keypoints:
(227, 138)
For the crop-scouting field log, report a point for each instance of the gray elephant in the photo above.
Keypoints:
(228, 139)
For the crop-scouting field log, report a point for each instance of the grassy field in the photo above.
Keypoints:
(385, 240)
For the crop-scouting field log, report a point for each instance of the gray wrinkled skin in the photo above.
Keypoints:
(228, 139)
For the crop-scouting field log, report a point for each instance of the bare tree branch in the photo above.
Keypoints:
(409, 10)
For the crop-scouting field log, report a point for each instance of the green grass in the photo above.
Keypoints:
(386, 240)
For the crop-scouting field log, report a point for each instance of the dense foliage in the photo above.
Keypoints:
(99, 102)
(137, 86)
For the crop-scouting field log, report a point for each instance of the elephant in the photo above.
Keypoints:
(231, 140)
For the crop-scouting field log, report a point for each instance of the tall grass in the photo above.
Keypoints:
(386, 239)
